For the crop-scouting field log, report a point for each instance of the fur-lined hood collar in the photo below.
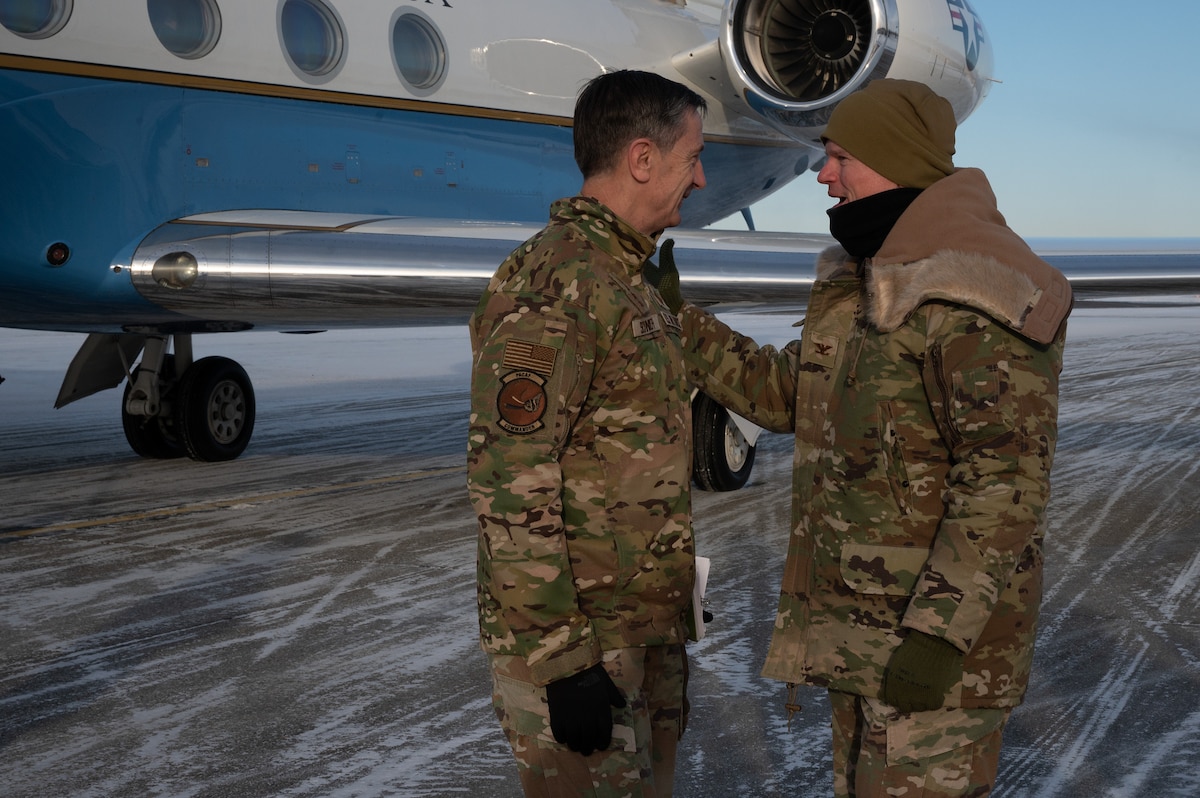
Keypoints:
(952, 244)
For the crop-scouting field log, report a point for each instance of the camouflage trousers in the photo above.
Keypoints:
(640, 763)
(879, 752)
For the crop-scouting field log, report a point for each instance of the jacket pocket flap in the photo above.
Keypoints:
(882, 570)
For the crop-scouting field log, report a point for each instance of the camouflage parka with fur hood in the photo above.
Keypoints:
(923, 394)
(579, 450)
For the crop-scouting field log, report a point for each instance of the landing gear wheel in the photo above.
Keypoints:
(152, 437)
(722, 458)
(214, 409)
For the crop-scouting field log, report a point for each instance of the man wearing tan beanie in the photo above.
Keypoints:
(923, 396)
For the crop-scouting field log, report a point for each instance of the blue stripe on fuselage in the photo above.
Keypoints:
(103, 162)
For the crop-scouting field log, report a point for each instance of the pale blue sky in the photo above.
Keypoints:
(1094, 129)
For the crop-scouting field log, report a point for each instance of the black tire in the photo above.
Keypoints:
(214, 409)
(722, 458)
(152, 437)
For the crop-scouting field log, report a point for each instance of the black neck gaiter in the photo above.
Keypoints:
(861, 226)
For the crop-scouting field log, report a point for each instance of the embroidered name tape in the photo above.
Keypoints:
(648, 325)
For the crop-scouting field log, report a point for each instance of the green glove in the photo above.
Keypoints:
(921, 672)
(665, 277)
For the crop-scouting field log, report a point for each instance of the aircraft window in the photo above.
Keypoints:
(419, 52)
(188, 28)
(312, 36)
(35, 19)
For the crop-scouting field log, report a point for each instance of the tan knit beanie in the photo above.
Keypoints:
(899, 128)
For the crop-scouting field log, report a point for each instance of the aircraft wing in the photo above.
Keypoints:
(298, 271)
(1134, 271)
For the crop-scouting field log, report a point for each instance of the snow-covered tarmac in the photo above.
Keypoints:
(300, 622)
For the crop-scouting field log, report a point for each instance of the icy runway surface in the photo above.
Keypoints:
(300, 622)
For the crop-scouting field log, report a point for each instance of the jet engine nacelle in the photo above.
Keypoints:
(792, 61)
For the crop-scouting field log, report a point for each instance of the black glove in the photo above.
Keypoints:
(921, 672)
(664, 276)
(581, 709)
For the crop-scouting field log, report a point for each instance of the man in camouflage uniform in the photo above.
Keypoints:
(579, 460)
(923, 394)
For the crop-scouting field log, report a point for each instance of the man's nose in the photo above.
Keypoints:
(826, 176)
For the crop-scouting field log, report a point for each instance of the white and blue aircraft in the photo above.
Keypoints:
(179, 167)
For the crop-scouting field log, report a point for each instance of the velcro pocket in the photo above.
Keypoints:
(521, 706)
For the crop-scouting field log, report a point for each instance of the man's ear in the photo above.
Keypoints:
(640, 159)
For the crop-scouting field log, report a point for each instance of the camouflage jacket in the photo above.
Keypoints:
(579, 451)
(923, 394)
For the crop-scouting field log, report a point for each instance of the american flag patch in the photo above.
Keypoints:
(537, 358)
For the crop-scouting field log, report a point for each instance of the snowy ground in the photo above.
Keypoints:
(300, 622)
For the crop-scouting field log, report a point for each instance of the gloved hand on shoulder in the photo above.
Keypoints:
(664, 276)
(581, 709)
(921, 672)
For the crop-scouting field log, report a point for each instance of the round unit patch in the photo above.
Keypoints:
(521, 402)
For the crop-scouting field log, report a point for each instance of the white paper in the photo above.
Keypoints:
(702, 565)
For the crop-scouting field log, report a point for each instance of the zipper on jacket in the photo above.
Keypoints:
(859, 328)
(896, 465)
(947, 394)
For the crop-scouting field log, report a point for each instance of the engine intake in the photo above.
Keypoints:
(798, 58)
(809, 48)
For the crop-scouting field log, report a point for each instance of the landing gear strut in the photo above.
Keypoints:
(173, 406)
(153, 437)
